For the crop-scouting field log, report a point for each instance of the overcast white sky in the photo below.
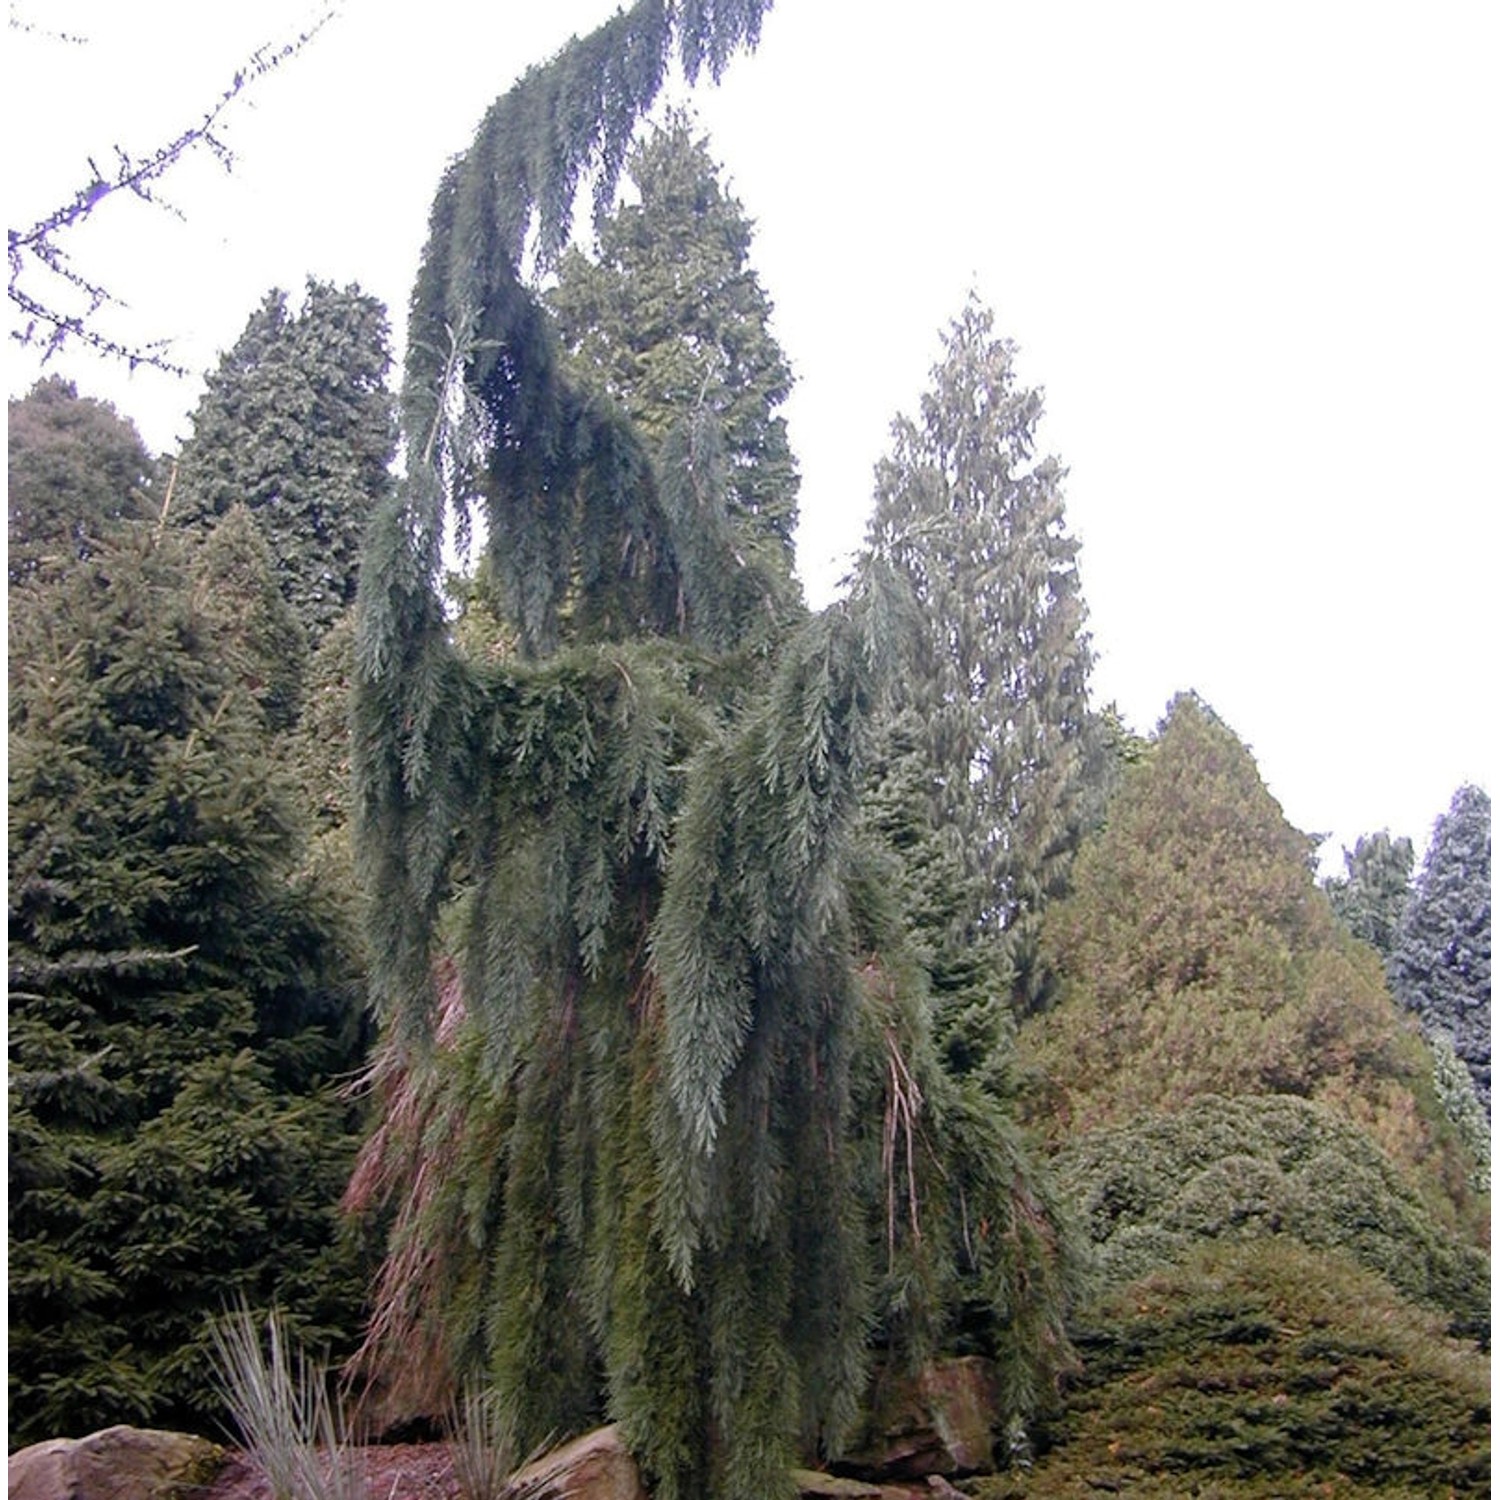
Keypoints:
(1250, 252)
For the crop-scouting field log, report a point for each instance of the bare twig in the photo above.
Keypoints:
(45, 324)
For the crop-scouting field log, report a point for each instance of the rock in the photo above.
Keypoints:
(120, 1463)
(818, 1486)
(812, 1484)
(596, 1466)
(940, 1421)
(942, 1489)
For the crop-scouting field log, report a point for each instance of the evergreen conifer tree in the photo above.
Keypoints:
(664, 1128)
(296, 426)
(973, 523)
(1441, 964)
(251, 621)
(671, 322)
(1371, 896)
(75, 468)
(1197, 957)
(173, 1022)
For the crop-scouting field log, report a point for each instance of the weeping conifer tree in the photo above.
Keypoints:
(665, 1137)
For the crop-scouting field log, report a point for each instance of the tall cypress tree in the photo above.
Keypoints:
(665, 1129)
(174, 1020)
(973, 523)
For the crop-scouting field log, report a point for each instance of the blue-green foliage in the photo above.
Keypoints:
(1440, 967)
(665, 1133)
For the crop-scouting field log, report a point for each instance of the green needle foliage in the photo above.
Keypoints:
(664, 1135)
(670, 321)
(1265, 1370)
(1238, 1169)
(296, 426)
(75, 469)
(997, 683)
(254, 627)
(1371, 895)
(1198, 957)
(173, 1022)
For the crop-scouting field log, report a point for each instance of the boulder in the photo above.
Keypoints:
(596, 1466)
(120, 1463)
(939, 1421)
(812, 1484)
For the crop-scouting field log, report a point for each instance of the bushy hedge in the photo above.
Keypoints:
(1239, 1169)
(1265, 1369)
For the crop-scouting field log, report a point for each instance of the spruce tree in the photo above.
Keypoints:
(1440, 968)
(174, 1017)
(665, 1133)
(973, 523)
(296, 426)
(251, 621)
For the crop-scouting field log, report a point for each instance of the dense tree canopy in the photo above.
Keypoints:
(173, 1016)
(669, 319)
(254, 628)
(671, 1140)
(1152, 1189)
(75, 468)
(1371, 896)
(296, 426)
(1440, 967)
(1264, 1370)
(1198, 957)
(696, 925)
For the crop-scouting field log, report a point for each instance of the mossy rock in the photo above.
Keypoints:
(1265, 1369)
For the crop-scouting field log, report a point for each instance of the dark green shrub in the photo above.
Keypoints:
(1265, 1369)
(1240, 1169)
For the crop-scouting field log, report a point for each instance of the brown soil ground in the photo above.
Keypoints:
(401, 1471)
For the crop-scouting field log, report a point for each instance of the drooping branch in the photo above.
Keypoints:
(571, 117)
(547, 461)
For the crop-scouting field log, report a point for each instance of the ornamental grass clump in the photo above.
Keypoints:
(481, 1444)
(292, 1428)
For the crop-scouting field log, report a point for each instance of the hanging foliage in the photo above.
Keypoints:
(665, 1139)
